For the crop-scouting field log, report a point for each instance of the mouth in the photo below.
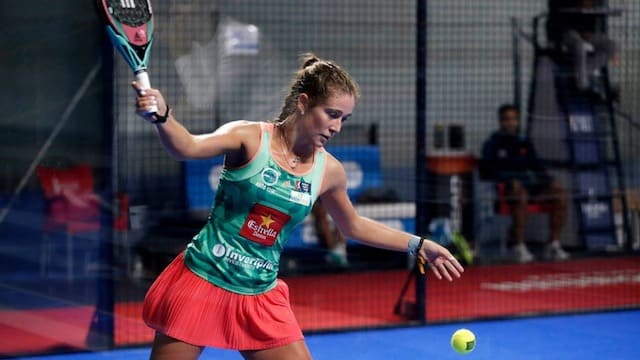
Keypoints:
(325, 137)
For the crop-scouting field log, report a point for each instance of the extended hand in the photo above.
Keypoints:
(440, 260)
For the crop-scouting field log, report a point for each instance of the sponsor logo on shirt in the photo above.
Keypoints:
(523, 151)
(270, 176)
(233, 256)
(263, 224)
(300, 198)
(303, 186)
(301, 193)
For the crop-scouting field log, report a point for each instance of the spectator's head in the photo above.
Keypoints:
(509, 118)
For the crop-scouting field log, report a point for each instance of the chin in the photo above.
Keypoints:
(321, 142)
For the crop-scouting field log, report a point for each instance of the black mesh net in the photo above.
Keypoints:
(224, 61)
(220, 61)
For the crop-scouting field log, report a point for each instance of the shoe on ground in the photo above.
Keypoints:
(522, 254)
(555, 252)
(338, 255)
(337, 259)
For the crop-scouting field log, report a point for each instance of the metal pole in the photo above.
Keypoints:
(622, 187)
(421, 151)
(517, 86)
(101, 333)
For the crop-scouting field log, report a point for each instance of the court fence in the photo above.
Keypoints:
(432, 76)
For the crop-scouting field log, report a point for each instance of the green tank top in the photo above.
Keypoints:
(256, 208)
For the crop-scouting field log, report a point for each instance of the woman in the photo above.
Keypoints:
(223, 290)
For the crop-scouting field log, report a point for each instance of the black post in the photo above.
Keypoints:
(515, 42)
(101, 333)
(421, 149)
(622, 186)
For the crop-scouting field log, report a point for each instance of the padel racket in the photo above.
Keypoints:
(129, 24)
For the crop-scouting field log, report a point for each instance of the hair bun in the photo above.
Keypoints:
(309, 59)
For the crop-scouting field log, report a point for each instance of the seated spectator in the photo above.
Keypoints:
(576, 28)
(511, 160)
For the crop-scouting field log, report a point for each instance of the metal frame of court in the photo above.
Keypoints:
(501, 292)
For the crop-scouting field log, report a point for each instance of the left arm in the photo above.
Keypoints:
(535, 164)
(335, 199)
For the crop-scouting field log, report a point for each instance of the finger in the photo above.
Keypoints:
(452, 269)
(435, 271)
(444, 272)
(454, 261)
(149, 101)
(138, 88)
(457, 264)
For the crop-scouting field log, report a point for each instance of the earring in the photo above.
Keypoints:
(301, 112)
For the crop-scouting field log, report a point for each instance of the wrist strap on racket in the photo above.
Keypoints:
(415, 243)
(162, 118)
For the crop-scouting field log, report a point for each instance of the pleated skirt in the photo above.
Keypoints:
(186, 307)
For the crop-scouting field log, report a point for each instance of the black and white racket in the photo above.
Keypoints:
(129, 24)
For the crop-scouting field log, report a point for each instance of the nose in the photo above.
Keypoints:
(335, 127)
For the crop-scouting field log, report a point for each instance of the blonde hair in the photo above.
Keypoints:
(319, 79)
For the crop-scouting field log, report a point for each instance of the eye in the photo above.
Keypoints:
(346, 118)
(334, 114)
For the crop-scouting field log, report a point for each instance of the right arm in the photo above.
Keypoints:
(231, 138)
(487, 161)
(334, 197)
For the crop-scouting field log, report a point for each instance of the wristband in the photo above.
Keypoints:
(161, 118)
(415, 244)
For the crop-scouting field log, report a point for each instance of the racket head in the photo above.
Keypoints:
(129, 24)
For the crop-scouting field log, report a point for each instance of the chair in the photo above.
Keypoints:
(72, 208)
(503, 207)
(492, 219)
(123, 247)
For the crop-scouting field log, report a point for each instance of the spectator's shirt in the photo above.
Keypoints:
(511, 157)
(256, 208)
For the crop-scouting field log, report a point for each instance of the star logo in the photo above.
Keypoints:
(267, 221)
(263, 224)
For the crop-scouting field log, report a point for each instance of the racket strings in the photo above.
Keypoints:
(133, 16)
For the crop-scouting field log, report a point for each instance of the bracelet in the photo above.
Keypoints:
(160, 118)
(415, 244)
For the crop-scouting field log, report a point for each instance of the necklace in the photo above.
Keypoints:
(293, 164)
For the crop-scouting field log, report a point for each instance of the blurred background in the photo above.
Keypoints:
(92, 208)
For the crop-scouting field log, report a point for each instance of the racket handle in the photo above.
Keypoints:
(142, 78)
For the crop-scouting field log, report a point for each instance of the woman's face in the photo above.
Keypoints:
(323, 121)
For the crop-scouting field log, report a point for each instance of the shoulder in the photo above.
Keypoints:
(244, 133)
(334, 176)
(489, 141)
(241, 128)
(244, 137)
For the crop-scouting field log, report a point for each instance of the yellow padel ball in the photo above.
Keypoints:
(463, 341)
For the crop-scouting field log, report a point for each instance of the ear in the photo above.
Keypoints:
(303, 102)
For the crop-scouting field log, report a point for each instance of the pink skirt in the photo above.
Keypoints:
(186, 307)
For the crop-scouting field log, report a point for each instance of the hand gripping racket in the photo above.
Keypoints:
(129, 24)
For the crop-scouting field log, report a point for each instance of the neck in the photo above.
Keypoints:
(288, 138)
